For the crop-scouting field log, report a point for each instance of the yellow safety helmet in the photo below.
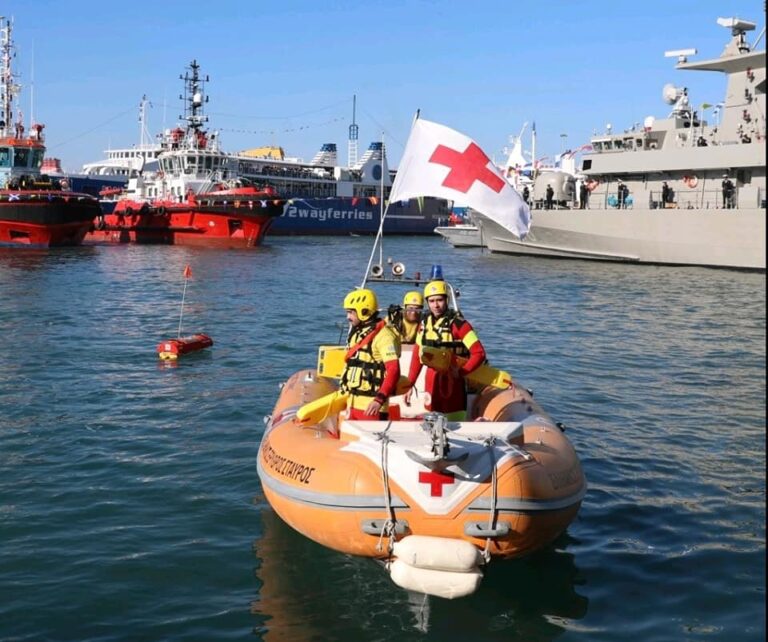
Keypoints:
(413, 298)
(362, 301)
(435, 288)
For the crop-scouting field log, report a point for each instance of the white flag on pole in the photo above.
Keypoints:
(443, 163)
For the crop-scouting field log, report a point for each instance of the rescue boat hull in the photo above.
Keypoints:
(515, 485)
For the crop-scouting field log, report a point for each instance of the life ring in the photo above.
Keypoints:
(690, 181)
(592, 184)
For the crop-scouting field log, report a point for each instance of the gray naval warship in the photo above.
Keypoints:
(678, 191)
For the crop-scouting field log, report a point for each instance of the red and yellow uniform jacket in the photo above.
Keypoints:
(373, 364)
(454, 334)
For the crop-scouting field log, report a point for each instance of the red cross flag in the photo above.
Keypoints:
(441, 162)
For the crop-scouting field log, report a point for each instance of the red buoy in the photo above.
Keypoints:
(171, 349)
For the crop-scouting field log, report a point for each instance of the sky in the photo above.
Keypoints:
(284, 73)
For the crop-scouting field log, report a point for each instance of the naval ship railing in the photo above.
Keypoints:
(687, 200)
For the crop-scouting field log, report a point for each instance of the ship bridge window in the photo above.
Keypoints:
(37, 158)
(21, 157)
(208, 162)
(5, 157)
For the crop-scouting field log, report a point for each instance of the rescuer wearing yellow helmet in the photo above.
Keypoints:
(443, 336)
(372, 366)
(405, 320)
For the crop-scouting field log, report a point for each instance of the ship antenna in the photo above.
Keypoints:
(143, 132)
(194, 98)
(32, 87)
(8, 89)
(353, 132)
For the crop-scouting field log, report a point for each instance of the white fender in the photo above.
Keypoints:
(438, 553)
(446, 584)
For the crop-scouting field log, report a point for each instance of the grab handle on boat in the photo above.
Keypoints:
(374, 526)
(480, 529)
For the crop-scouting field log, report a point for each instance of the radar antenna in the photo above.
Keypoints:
(680, 54)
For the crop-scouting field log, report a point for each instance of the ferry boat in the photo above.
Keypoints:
(122, 163)
(327, 199)
(35, 209)
(679, 190)
(192, 197)
(94, 184)
(324, 198)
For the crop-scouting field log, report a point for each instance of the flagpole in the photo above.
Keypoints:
(187, 274)
(384, 211)
(381, 203)
(181, 313)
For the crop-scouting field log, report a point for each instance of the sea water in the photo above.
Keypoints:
(130, 507)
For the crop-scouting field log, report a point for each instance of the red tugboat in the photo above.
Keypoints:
(194, 195)
(35, 211)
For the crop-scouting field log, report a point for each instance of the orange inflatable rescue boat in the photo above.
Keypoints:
(435, 500)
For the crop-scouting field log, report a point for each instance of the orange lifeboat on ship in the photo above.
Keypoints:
(435, 500)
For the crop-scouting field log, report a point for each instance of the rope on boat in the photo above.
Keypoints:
(388, 529)
(488, 443)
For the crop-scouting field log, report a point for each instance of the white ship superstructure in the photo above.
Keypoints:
(678, 190)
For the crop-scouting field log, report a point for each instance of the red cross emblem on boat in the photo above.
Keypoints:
(466, 168)
(436, 481)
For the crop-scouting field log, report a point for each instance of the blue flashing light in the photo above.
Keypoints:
(437, 273)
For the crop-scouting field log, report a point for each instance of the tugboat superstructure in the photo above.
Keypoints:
(194, 197)
(35, 209)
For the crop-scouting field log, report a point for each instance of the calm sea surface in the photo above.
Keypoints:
(130, 508)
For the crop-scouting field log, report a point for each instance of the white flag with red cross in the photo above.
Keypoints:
(441, 162)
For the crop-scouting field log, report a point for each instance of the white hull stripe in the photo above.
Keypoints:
(482, 505)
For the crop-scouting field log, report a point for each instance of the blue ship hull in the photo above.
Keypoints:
(87, 184)
(341, 216)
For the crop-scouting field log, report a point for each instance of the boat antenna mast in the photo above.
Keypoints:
(144, 136)
(8, 88)
(353, 134)
(194, 100)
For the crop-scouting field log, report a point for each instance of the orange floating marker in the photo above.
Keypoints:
(172, 349)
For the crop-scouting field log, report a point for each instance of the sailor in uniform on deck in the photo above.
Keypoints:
(728, 191)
